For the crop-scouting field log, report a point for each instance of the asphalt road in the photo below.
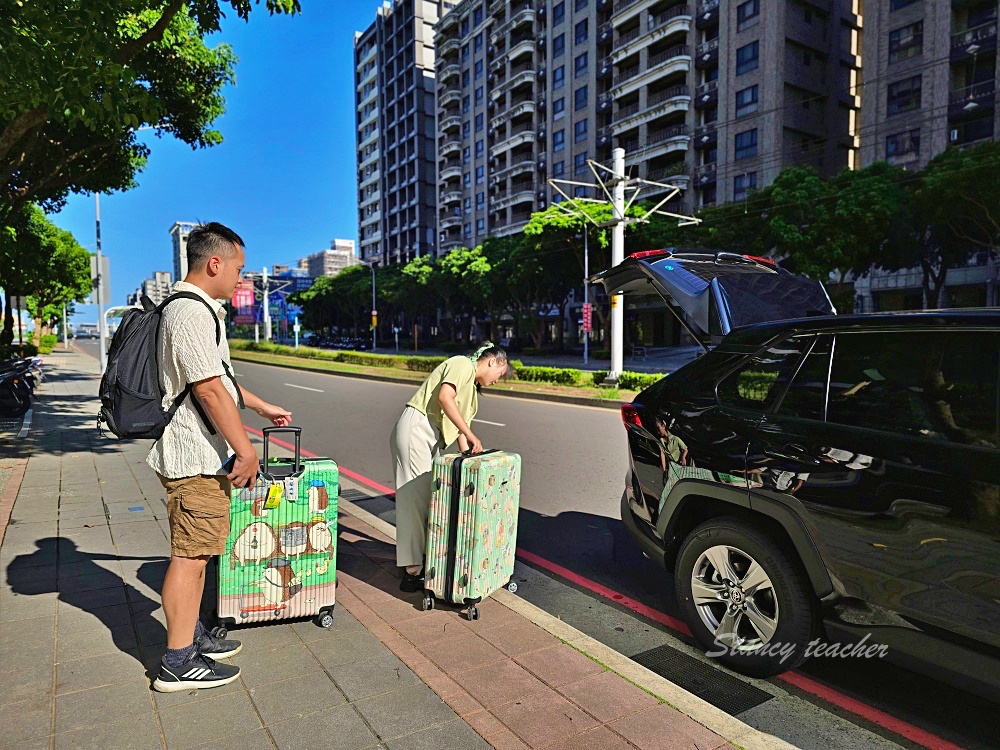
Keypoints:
(573, 470)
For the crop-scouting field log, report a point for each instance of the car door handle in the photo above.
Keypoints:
(792, 453)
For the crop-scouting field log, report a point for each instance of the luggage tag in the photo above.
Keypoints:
(274, 493)
(292, 489)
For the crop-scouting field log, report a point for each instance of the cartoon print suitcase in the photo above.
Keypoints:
(471, 527)
(280, 559)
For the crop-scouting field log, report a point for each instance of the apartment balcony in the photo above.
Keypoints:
(706, 136)
(449, 45)
(449, 222)
(517, 109)
(450, 70)
(704, 175)
(450, 97)
(452, 121)
(450, 171)
(670, 174)
(676, 59)
(520, 48)
(496, 6)
(526, 14)
(972, 101)
(526, 165)
(369, 180)
(604, 102)
(526, 76)
(660, 104)
(450, 20)
(676, 20)
(450, 146)
(706, 95)
(707, 54)
(666, 141)
(502, 199)
(604, 136)
(370, 138)
(626, 10)
(708, 14)
(368, 159)
(978, 39)
(605, 32)
(452, 196)
(518, 136)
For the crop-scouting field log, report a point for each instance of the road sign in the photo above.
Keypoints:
(587, 319)
(105, 279)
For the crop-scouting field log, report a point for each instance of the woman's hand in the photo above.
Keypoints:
(475, 444)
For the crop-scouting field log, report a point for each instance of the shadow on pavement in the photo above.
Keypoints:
(81, 583)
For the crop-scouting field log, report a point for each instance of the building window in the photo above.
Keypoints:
(580, 163)
(558, 169)
(480, 201)
(463, 29)
(477, 16)
(468, 230)
(580, 5)
(479, 122)
(479, 175)
(480, 149)
(580, 131)
(746, 144)
(558, 77)
(903, 147)
(480, 225)
(466, 158)
(467, 179)
(747, 14)
(479, 69)
(747, 58)
(558, 108)
(906, 42)
(465, 52)
(558, 13)
(465, 129)
(580, 192)
(580, 98)
(708, 195)
(477, 42)
(465, 79)
(746, 101)
(467, 204)
(479, 94)
(580, 31)
(559, 140)
(580, 65)
(465, 104)
(558, 45)
(903, 96)
(743, 184)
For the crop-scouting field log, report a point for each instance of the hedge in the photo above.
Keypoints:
(629, 381)
(557, 375)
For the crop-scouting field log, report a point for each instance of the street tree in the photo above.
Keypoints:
(468, 271)
(77, 79)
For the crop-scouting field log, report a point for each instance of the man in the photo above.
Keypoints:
(188, 458)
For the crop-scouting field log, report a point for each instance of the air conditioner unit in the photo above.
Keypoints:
(953, 135)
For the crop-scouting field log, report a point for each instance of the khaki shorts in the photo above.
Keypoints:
(198, 513)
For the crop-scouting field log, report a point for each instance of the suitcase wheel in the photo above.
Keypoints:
(324, 620)
(473, 612)
(512, 587)
(428, 603)
(220, 632)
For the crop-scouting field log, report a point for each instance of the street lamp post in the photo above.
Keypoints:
(101, 330)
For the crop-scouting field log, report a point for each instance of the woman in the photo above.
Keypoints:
(438, 413)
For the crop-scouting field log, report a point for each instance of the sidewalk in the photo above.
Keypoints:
(82, 632)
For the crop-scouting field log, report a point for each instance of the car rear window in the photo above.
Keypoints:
(757, 384)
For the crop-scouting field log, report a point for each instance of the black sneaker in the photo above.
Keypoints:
(411, 583)
(198, 672)
(218, 648)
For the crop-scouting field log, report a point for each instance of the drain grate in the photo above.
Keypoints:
(719, 688)
(354, 495)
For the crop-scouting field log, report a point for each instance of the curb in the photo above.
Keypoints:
(10, 493)
(575, 400)
(737, 732)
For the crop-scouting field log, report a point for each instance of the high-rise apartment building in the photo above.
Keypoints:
(394, 77)
(713, 97)
(330, 262)
(179, 236)
(930, 71)
(156, 288)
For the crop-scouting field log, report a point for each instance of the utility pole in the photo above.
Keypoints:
(617, 256)
(267, 308)
(65, 330)
(101, 332)
(586, 296)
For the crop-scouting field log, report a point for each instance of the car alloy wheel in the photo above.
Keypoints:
(734, 598)
(746, 600)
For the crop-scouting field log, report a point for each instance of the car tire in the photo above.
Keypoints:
(776, 613)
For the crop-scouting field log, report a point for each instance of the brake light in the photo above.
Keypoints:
(650, 254)
(759, 259)
(630, 415)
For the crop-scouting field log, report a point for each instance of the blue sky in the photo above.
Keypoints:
(285, 176)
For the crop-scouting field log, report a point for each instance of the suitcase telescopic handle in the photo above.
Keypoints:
(297, 431)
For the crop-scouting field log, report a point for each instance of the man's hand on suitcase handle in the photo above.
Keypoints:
(245, 471)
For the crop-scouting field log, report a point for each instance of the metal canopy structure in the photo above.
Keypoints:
(613, 183)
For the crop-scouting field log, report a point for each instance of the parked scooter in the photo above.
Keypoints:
(18, 379)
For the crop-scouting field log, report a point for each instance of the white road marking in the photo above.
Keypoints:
(25, 425)
(305, 388)
(484, 421)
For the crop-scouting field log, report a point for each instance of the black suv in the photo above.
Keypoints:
(831, 477)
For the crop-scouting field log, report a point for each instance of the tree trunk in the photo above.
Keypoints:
(36, 339)
(7, 335)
